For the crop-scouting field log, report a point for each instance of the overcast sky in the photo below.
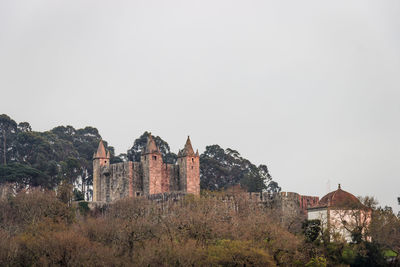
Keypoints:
(310, 88)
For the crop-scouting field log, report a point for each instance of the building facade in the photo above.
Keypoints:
(150, 176)
(341, 214)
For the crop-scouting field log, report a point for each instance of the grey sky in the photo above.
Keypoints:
(310, 88)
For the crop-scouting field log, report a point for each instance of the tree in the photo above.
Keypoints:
(50, 152)
(7, 127)
(24, 176)
(312, 230)
(385, 229)
(220, 168)
(24, 127)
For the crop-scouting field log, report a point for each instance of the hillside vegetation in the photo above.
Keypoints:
(40, 229)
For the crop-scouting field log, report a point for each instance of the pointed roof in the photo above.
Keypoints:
(188, 149)
(151, 146)
(108, 154)
(101, 151)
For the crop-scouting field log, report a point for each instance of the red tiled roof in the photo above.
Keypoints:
(339, 198)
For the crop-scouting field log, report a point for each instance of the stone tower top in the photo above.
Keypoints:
(101, 152)
(151, 146)
(188, 149)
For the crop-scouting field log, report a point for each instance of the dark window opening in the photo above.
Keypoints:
(154, 157)
(192, 167)
(105, 161)
(192, 160)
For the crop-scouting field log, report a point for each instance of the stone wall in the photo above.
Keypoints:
(118, 181)
(288, 205)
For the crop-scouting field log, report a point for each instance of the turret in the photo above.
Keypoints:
(151, 160)
(189, 169)
(100, 160)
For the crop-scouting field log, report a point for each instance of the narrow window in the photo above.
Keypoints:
(154, 157)
(192, 160)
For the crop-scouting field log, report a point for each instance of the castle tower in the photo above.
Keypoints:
(100, 159)
(189, 169)
(151, 161)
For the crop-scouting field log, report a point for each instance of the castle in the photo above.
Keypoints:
(150, 176)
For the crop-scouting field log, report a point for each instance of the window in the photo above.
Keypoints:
(155, 157)
(105, 161)
(192, 160)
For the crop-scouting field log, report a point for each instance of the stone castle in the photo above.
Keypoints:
(150, 176)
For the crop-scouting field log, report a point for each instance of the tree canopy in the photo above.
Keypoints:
(222, 168)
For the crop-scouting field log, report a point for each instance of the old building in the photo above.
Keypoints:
(341, 214)
(149, 176)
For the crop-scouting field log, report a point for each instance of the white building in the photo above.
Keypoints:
(341, 213)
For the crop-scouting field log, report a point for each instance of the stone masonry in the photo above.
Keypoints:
(150, 176)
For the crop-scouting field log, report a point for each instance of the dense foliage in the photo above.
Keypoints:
(222, 168)
(45, 159)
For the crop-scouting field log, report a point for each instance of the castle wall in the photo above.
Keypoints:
(182, 166)
(174, 178)
(119, 181)
(167, 177)
(308, 202)
(136, 186)
(148, 177)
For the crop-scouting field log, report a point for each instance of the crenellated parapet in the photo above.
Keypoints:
(150, 176)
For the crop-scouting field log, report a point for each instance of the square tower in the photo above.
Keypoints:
(152, 162)
(189, 169)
